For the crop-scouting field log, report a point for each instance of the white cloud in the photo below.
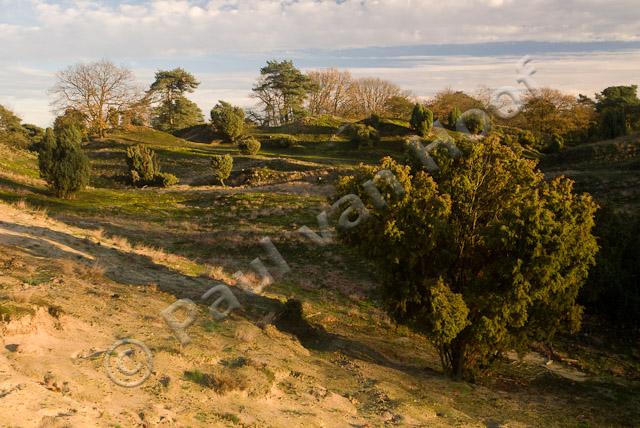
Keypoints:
(90, 29)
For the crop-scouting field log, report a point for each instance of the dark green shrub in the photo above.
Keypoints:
(453, 117)
(363, 135)
(34, 133)
(286, 141)
(460, 254)
(249, 146)
(221, 166)
(556, 143)
(613, 123)
(421, 120)
(63, 164)
(475, 123)
(143, 165)
(45, 154)
(613, 287)
(374, 121)
(72, 117)
(144, 168)
(228, 120)
(165, 179)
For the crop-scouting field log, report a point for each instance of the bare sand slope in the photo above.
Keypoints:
(69, 293)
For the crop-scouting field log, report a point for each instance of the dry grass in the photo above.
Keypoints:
(93, 271)
(217, 273)
(37, 212)
(120, 242)
(221, 381)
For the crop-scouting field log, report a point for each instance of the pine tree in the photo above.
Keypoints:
(282, 89)
(174, 110)
(180, 113)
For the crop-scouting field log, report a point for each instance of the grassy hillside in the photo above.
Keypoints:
(76, 275)
(609, 170)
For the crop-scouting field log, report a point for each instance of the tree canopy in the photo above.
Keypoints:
(619, 107)
(484, 257)
(173, 110)
(281, 90)
(11, 130)
(179, 114)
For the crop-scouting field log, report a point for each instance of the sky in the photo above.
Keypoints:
(577, 46)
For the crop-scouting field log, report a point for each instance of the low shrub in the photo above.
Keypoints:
(143, 165)
(249, 146)
(220, 381)
(475, 123)
(286, 141)
(165, 179)
(453, 117)
(421, 120)
(221, 166)
(144, 168)
(261, 175)
(361, 134)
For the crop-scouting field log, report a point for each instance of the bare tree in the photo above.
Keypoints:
(93, 89)
(371, 95)
(332, 92)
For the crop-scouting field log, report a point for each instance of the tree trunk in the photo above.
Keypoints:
(458, 360)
